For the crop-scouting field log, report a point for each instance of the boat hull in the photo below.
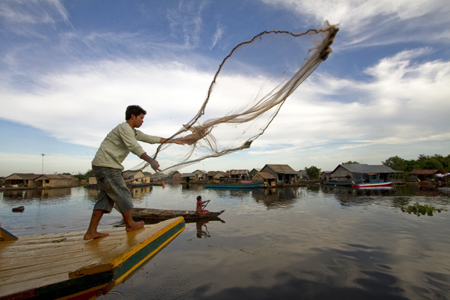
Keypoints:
(150, 214)
(372, 185)
(235, 186)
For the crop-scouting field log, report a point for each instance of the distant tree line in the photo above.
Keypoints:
(424, 162)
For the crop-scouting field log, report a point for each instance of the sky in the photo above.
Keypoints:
(69, 69)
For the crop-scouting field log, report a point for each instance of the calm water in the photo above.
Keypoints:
(292, 243)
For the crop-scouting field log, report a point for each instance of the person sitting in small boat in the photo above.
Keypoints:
(201, 205)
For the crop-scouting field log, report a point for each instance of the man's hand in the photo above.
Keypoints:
(178, 141)
(153, 163)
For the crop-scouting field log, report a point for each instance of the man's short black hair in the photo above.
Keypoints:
(134, 110)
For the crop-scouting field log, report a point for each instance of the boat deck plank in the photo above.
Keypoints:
(40, 260)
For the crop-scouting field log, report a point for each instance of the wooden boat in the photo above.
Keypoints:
(373, 184)
(64, 266)
(151, 214)
(235, 185)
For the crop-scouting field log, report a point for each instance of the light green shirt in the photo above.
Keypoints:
(119, 143)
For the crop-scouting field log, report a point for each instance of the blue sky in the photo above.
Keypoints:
(68, 70)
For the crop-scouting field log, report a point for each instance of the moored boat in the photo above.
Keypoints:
(372, 184)
(152, 214)
(235, 185)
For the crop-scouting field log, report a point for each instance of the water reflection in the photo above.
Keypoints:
(37, 193)
(277, 197)
(192, 187)
(351, 196)
(139, 193)
(136, 193)
(202, 229)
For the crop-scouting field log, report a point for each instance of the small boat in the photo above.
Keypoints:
(372, 184)
(151, 214)
(235, 185)
(64, 266)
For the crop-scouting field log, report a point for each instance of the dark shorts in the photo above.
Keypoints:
(112, 190)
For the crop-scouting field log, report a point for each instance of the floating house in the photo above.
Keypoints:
(268, 179)
(351, 174)
(56, 181)
(218, 176)
(239, 175)
(188, 178)
(202, 176)
(21, 180)
(136, 178)
(175, 176)
(284, 173)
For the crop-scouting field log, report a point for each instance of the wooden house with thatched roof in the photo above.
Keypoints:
(284, 173)
(21, 180)
(218, 176)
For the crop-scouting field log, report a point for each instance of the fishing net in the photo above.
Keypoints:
(247, 91)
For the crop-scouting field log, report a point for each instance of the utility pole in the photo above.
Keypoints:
(43, 163)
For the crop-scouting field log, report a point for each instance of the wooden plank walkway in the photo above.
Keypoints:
(65, 265)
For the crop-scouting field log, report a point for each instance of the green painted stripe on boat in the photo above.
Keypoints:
(143, 253)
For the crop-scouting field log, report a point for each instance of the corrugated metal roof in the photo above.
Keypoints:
(188, 175)
(364, 168)
(238, 172)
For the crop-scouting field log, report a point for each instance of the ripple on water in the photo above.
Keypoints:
(168, 287)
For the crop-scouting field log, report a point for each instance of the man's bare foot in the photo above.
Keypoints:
(95, 235)
(134, 226)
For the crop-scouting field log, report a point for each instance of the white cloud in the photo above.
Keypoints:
(217, 35)
(186, 21)
(378, 22)
(23, 16)
(404, 103)
(83, 104)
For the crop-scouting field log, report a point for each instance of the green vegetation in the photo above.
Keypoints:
(424, 162)
(350, 163)
(313, 172)
(419, 209)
